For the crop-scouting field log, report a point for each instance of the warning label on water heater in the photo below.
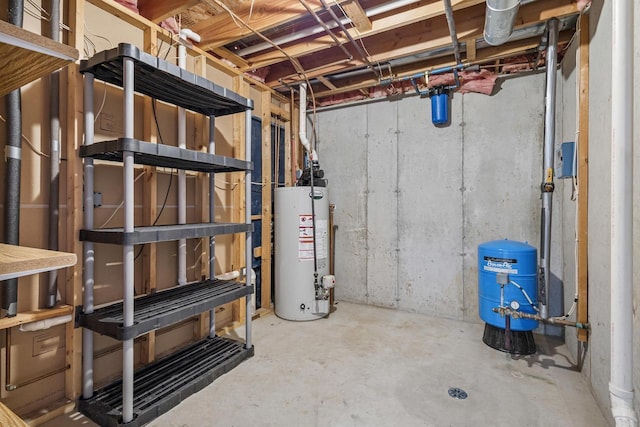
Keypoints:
(305, 237)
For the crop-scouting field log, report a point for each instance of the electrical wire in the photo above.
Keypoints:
(115, 211)
(29, 143)
(524, 292)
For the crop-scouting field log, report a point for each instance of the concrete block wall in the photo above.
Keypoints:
(413, 200)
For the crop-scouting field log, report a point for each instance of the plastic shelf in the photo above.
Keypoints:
(147, 153)
(160, 386)
(164, 308)
(162, 233)
(166, 82)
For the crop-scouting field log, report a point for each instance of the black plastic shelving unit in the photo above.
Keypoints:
(164, 308)
(160, 386)
(167, 156)
(165, 81)
(163, 384)
(161, 233)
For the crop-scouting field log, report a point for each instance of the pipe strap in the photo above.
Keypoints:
(11, 152)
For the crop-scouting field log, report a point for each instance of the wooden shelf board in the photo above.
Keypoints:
(17, 261)
(29, 56)
(8, 418)
(35, 315)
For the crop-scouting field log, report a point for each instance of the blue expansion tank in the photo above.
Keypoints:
(519, 261)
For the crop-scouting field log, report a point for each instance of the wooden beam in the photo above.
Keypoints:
(150, 203)
(583, 177)
(238, 307)
(421, 14)
(486, 54)
(221, 29)
(231, 57)
(157, 11)
(420, 37)
(471, 49)
(358, 17)
(265, 259)
(326, 82)
(73, 130)
(280, 112)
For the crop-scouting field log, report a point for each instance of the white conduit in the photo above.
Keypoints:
(182, 177)
(621, 383)
(303, 123)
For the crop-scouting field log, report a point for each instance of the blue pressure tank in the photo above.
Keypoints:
(519, 261)
(440, 106)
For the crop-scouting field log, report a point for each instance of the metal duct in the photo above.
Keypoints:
(547, 186)
(500, 18)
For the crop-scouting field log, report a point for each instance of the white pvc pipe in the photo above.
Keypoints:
(302, 126)
(40, 325)
(621, 382)
(182, 177)
(128, 259)
(87, 334)
(247, 212)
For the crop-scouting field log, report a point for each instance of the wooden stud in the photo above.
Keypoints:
(471, 49)
(238, 307)
(150, 205)
(265, 259)
(73, 220)
(583, 178)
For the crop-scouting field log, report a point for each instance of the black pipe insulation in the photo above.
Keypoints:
(54, 158)
(13, 156)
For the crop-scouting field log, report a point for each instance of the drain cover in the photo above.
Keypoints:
(457, 393)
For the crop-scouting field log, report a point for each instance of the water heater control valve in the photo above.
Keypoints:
(328, 281)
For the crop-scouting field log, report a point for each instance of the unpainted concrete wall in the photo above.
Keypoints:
(413, 201)
(596, 354)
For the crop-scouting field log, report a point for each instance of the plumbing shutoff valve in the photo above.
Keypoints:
(328, 281)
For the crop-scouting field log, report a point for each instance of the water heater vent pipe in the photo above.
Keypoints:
(302, 132)
(500, 17)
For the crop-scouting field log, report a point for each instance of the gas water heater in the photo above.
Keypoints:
(299, 293)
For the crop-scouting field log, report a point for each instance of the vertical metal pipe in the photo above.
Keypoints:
(128, 260)
(247, 208)
(621, 383)
(54, 158)
(87, 334)
(547, 186)
(212, 219)
(182, 177)
(13, 156)
(452, 29)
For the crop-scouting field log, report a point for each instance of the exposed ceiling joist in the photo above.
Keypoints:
(423, 12)
(221, 29)
(424, 36)
(157, 11)
(483, 55)
(358, 16)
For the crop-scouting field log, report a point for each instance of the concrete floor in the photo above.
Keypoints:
(369, 366)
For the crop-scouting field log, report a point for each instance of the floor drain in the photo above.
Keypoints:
(457, 393)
